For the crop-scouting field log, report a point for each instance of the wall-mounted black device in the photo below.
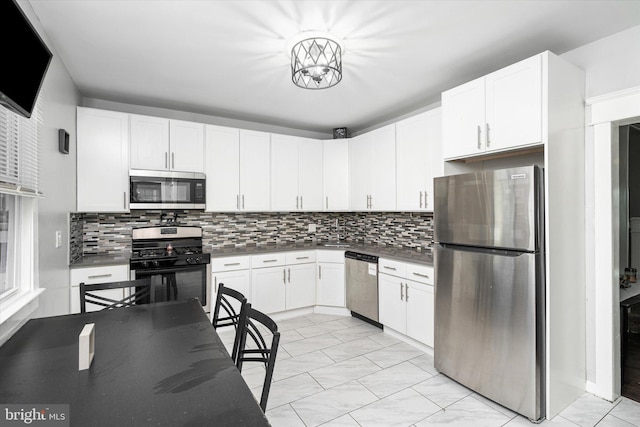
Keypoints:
(63, 141)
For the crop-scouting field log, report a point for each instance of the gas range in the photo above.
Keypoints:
(172, 256)
(167, 246)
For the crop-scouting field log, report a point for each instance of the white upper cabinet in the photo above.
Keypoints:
(222, 160)
(296, 173)
(419, 160)
(498, 112)
(236, 169)
(360, 171)
(335, 174)
(102, 161)
(372, 161)
(162, 144)
(187, 146)
(149, 142)
(254, 171)
(310, 174)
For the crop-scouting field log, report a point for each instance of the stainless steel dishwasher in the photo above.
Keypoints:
(361, 273)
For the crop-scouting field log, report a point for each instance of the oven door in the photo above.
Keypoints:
(174, 284)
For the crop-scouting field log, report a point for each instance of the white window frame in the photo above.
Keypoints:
(20, 139)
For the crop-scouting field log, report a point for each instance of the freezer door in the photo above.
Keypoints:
(500, 208)
(489, 325)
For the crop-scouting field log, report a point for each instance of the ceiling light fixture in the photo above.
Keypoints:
(316, 61)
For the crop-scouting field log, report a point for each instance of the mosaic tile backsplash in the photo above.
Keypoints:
(111, 233)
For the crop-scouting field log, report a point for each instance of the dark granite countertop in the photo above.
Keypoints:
(423, 256)
(101, 260)
(401, 254)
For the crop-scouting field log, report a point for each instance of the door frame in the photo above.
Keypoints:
(605, 115)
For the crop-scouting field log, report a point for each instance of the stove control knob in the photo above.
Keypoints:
(198, 260)
(156, 263)
(145, 264)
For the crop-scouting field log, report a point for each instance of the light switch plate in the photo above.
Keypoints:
(58, 238)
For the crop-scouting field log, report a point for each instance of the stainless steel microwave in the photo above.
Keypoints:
(166, 190)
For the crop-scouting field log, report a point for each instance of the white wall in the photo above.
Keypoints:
(610, 64)
(57, 181)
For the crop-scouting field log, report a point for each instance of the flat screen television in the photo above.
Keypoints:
(25, 59)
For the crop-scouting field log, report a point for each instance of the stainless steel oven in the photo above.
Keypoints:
(172, 257)
(166, 190)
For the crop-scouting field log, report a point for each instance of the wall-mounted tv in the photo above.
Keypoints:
(25, 59)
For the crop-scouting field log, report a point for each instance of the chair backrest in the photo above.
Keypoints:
(255, 324)
(231, 313)
(140, 292)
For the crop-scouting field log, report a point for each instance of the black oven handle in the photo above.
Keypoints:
(168, 270)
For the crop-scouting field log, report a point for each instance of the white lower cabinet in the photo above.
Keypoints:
(330, 290)
(405, 293)
(92, 275)
(268, 289)
(301, 279)
(234, 273)
(283, 281)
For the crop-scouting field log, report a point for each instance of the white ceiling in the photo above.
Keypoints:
(228, 58)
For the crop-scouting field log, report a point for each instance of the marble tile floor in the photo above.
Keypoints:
(338, 371)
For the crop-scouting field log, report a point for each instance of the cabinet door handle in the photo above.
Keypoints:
(488, 138)
(301, 203)
(389, 268)
(173, 160)
(327, 202)
(125, 200)
(302, 257)
(319, 272)
(426, 276)
(289, 275)
(238, 201)
(284, 276)
(401, 292)
(406, 292)
(479, 142)
(243, 201)
(421, 200)
(425, 199)
(269, 260)
(166, 160)
(98, 276)
(231, 264)
(297, 201)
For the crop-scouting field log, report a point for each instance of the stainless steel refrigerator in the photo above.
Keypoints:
(489, 294)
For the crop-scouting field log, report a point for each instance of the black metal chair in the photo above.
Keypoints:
(231, 315)
(254, 323)
(140, 292)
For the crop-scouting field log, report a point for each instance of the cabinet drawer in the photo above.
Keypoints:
(330, 255)
(420, 273)
(230, 263)
(394, 268)
(302, 257)
(268, 260)
(92, 275)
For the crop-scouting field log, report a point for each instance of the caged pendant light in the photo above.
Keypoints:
(316, 63)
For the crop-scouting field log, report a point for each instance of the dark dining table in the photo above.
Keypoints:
(155, 364)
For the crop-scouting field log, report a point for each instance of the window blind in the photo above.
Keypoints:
(19, 151)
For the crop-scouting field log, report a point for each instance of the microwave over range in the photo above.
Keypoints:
(166, 190)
